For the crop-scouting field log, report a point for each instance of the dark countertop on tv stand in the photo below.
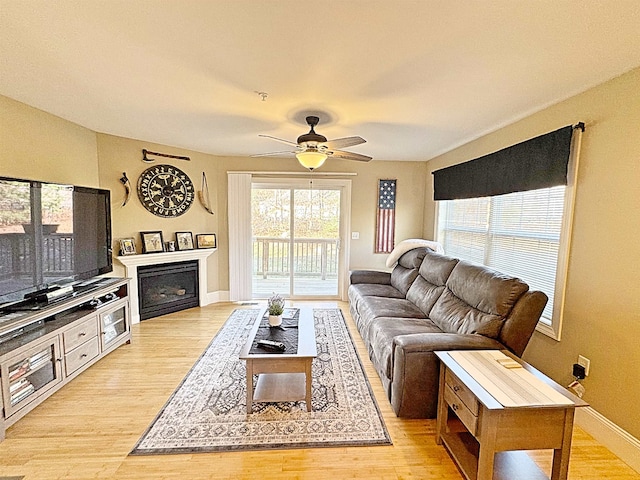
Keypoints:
(102, 287)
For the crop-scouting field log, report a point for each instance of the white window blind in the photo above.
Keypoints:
(517, 233)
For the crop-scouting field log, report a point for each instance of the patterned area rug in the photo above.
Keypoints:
(207, 412)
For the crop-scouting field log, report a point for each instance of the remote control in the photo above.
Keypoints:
(271, 345)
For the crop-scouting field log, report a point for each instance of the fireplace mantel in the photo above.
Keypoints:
(132, 262)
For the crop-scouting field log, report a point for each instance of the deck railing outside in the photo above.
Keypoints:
(311, 257)
(15, 254)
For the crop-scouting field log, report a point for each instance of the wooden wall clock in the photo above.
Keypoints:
(165, 191)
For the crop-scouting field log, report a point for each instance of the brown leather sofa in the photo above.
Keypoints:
(432, 302)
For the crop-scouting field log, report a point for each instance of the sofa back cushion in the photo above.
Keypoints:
(477, 300)
(406, 271)
(428, 286)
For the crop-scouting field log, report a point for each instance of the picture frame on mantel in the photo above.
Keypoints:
(152, 242)
(184, 240)
(206, 240)
(127, 246)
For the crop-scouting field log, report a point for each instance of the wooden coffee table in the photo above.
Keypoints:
(483, 433)
(282, 377)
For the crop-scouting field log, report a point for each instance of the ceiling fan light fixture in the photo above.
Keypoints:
(312, 149)
(311, 159)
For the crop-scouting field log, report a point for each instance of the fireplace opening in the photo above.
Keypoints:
(167, 288)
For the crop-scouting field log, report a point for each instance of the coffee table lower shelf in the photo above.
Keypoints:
(280, 387)
(508, 465)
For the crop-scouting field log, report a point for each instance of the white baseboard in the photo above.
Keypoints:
(620, 442)
(217, 297)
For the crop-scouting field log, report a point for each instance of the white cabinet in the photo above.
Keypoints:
(81, 356)
(80, 344)
(30, 373)
(79, 333)
(113, 324)
(69, 337)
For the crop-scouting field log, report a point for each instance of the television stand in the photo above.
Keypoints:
(44, 349)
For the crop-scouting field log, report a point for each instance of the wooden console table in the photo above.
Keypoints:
(483, 434)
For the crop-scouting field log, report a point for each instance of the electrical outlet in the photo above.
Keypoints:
(355, 235)
(585, 362)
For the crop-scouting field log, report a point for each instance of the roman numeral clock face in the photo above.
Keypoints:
(165, 191)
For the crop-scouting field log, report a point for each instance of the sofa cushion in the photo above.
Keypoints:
(436, 268)
(453, 315)
(376, 290)
(402, 278)
(385, 329)
(424, 294)
(406, 271)
(476, 300)
(373, 307)
(485, 289)
(429, 285)
(413, 258)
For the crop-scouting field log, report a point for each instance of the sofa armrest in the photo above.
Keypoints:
(370, 276)
(431, 342)
(519, 326)
(416, 369)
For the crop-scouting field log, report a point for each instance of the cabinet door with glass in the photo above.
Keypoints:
(114, 324)
(29, 374)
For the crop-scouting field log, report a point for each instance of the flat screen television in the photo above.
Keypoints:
(51, 235)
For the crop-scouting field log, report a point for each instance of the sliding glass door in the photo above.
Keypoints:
(297, 230)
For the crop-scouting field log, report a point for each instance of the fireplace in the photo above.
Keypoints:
(133, 262)
(167, 288)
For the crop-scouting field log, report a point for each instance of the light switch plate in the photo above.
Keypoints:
(586, 363)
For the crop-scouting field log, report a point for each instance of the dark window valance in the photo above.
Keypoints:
(537, 163)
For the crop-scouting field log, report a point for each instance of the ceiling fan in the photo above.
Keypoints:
(312, 149)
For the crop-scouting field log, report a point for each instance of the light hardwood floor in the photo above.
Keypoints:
(87, 429)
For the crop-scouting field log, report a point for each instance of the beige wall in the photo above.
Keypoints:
(602, 308)
(40, 146)
(410, 196)
(117, 155)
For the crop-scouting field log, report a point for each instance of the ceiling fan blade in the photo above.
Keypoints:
(279, 139)
(349, 156)
(344, 142)
(274, 154)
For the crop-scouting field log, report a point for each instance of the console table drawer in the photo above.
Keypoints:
(462, 392)
(81, 355)
(80, 333)
(465, 415)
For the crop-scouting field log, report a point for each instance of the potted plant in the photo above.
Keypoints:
(275, 307)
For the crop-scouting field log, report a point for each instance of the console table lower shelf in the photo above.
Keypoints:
(486, 438)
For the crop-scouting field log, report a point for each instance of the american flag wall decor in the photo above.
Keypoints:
(386, 218)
